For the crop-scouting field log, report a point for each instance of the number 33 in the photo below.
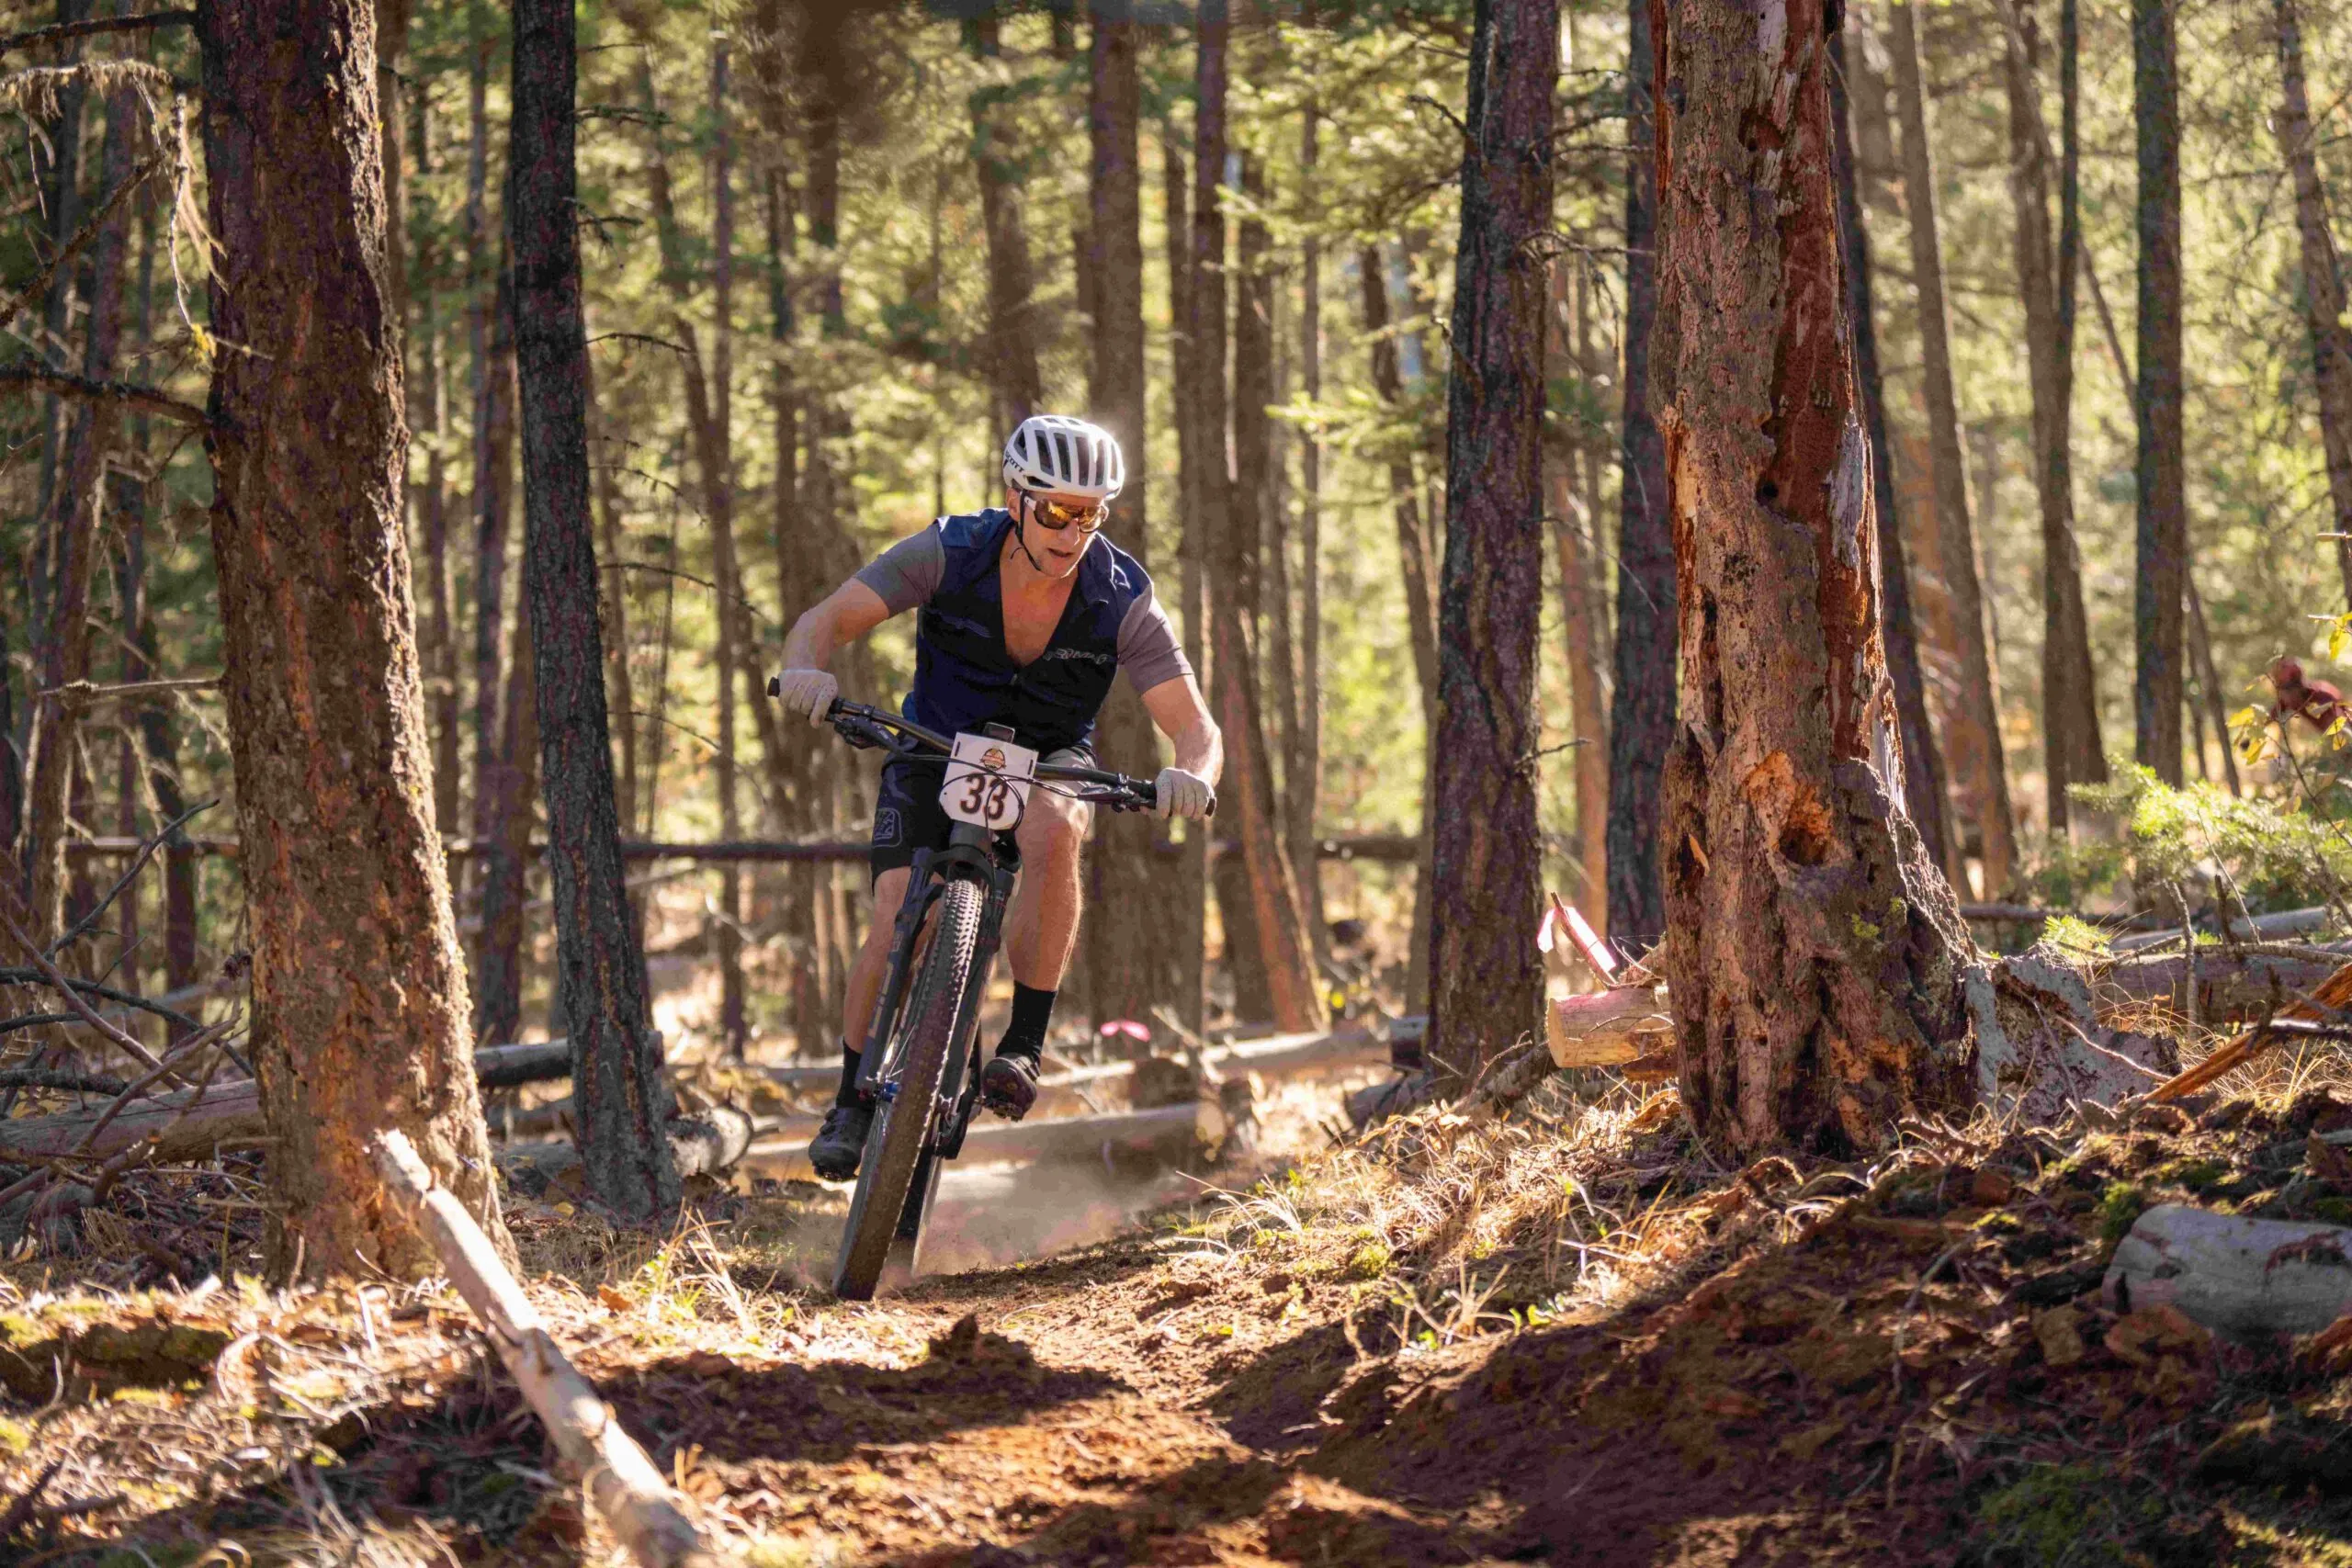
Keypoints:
(979, 788)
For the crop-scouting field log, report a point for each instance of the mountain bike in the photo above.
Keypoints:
(921, 1064)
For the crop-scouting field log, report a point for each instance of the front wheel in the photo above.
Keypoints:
(925, 1032)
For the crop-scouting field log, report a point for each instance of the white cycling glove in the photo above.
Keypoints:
(809, 693)
(1183, 794)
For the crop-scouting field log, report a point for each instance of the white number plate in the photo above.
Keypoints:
(988, 782)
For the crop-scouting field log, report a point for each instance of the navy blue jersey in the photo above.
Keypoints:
(965, 678)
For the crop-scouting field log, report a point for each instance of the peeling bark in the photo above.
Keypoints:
(1813, 954)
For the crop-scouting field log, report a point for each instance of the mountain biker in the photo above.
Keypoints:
(1027, 614)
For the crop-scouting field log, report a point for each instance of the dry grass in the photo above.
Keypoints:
(1444, 1228)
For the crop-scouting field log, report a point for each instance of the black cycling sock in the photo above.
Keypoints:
(1033, 1010)
(847, 1094)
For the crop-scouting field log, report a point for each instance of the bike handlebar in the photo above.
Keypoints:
(863, 726)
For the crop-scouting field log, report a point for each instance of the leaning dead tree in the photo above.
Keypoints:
(1814, 954)
(360, 993)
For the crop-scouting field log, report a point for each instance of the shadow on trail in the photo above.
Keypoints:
(827, 1413)
(1288, 1518)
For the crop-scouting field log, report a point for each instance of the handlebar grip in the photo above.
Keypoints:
(776, 685)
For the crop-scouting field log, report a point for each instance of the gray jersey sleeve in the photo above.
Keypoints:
(908, 572)
(1148, 651)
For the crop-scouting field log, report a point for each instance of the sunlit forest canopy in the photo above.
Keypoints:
(793, 204)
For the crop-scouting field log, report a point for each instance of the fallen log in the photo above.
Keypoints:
(2237, 1276)
(2230, 987)
(191, 1129)
(511, 1067)
(1170, 1131)
(1609, 1029)
(626, 1487)
(705, 1144)
(2333, 995)
(184, 1127)
(2262, 928)
(1274, 1056)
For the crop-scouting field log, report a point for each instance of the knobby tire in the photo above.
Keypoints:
(902, 1126)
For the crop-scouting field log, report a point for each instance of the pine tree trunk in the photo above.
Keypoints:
(1011, 352)
(1975, 741)
(391, 42)
(359, 994)
(80, 511)
(619, 1099)
(2323, 283)
(2071, 751)
(612, 599)
(2210, 689)
(485, 264)
(1487, 980)
(1254, 811)
(493, 506)
(718, 440)
(1214, 499)
(1584, 609)
(1132, 966)
(1418, 565)
(1303, 769)
(1813, 953)
(438, 633)
(2161, 555)
(1641, 716)
(1193, 885)
(1921, 777)
(508, 792)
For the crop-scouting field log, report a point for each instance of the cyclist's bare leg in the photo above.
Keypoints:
(1041, 928)
(872, 965)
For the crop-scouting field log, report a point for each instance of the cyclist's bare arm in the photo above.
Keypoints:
(848, 614)
(1177, 709)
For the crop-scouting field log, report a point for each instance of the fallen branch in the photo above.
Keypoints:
(142, 399)
(89, 922)
(2235, 1275)
(160, 1007)
(63, 31)
(39, 1077)
(2333, 995)
(194, 1126)
(626, 1487)
(64, 987)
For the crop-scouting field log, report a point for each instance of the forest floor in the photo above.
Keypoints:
(1563, 1335)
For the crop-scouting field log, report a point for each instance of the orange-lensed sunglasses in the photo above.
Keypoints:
(1056, 515)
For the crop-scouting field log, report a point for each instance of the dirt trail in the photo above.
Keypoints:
(1561, 1339)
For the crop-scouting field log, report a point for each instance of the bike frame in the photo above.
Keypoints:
(973, 853)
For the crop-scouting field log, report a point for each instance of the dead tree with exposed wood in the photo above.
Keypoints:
(1814, 954)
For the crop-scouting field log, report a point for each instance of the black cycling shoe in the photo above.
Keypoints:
(1009, 1087)
(835, 1150)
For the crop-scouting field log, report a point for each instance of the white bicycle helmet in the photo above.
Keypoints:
(1052, 454)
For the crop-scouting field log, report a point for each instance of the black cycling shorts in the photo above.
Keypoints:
(907, 813)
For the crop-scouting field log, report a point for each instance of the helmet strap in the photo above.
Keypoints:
(1021, 535)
